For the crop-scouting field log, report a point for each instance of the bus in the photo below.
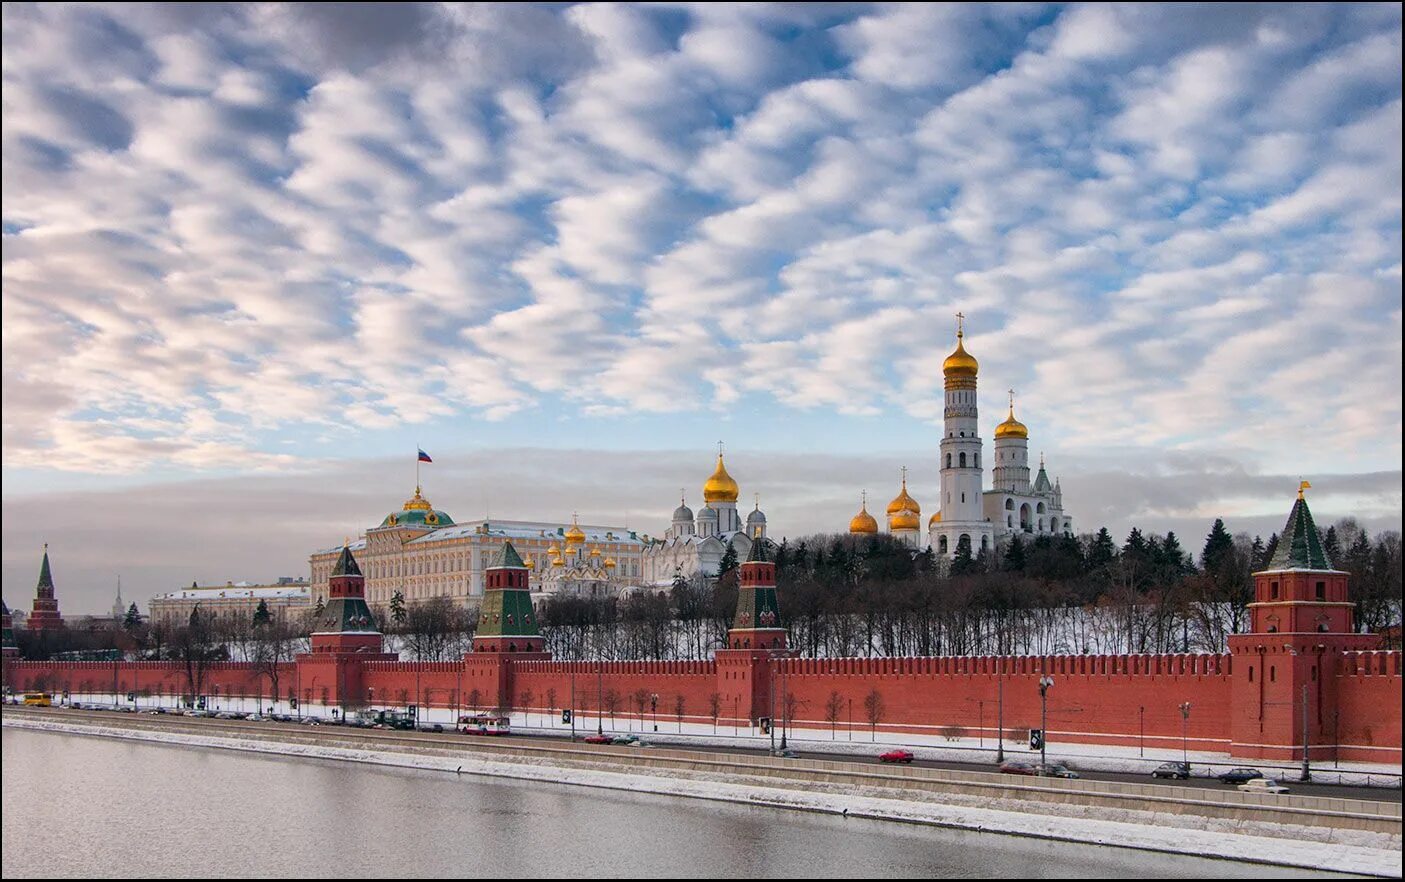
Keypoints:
(39, 699)
(485, 724)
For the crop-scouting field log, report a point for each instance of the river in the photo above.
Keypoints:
(84, 806)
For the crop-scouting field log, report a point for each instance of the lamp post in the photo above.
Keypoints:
(1307, 771)
(599, 697)
(1185, 725)
(1141, 730)
(1044, 684)
(654, 709)
(999, 718)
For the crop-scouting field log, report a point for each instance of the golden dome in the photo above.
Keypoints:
(595, 552)
(960, 363)
(720, 487)
(905, 521)
(903, 502)
(557, 561)
(575, 535)
(609, 563)
(936, 519)
(863, 522)
(1011, 428)
(418, 502)
(554, 550)
(530, 565)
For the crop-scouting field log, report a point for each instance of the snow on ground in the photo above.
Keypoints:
(1107, 830)
(859, 741)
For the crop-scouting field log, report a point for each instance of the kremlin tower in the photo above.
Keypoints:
(346, 624)
(45, 614)
(506, 622)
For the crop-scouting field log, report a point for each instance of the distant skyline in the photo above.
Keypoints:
(253, 255)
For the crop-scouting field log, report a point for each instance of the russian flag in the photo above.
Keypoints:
(424, 457)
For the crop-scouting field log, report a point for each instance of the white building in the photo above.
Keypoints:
(694, 546)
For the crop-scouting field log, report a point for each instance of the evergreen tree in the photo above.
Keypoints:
(1102, 551)
(132, 619)
(1270, 549)
(1135, 544)
(1332, 546)
(1173, 557)
(397, 609)
(261, 614)
(962, 563)
(1014, 556)
(1218, 556)
(729, 561)
(1256, 554)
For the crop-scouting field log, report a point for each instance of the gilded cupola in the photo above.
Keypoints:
(1011, 428)
(575, 535)
(903, 502)
(960, 363)
(863, 522)
(720, 487)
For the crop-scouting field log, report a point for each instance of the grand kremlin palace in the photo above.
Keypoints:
(422, 552)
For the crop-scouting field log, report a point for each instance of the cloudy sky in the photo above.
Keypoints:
(253, 255)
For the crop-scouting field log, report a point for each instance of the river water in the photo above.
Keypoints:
(84, 806)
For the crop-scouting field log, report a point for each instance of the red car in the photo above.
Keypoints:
(895, 756)
(598, 739)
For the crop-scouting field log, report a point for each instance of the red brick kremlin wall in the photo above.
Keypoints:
(1094, 699)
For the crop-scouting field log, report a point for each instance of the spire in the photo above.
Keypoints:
(758, 552)
(45, 579)
(508, 557)
(1300, 548)
(1041, 481)
(346, 564)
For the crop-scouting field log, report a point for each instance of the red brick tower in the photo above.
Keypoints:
(346, 623)
(756, 642)
(1285, 667)
(506, 622)
(45, 615)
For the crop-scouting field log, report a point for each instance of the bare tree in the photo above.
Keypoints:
(524, 699)
(714, 707)
(873, 710)
(680, 710)
(833, 707)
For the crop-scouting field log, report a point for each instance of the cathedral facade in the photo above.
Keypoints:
(693, 546)
(967, 512)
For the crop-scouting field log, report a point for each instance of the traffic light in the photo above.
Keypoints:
(1036, 739)
(565, 717)
(131, 696)
(765, 725)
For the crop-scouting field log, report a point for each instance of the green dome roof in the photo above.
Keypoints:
(417, 517)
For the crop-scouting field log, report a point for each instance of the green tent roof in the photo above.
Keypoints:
(1300, 548)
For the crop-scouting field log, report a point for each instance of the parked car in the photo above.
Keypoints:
(432, 727)
(598, 739)
(1262, 785)
(895, 756)
(624, 739)
(1055, 770)
(1018, 768)
(1239, 776)
(1176, 770)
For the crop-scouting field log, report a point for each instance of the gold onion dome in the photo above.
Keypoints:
(595, 552)
(609, 563)
(960, 363)
(557, 561)
(720, 487)
(903, 502)
(905, 520)
(936, 519)
(1011, 428)
(554, 550)
(575, 535)
(863, 522)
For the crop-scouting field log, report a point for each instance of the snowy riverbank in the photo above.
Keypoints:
(1341, 855)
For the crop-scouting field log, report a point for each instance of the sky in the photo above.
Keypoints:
(253, 256)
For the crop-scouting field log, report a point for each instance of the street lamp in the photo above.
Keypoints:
(1044, 684)
(654, 709)
(1141, 730)
(599, 697)
(1185, 724)
(1000, 718)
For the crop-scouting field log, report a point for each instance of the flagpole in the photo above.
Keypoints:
(417, 466)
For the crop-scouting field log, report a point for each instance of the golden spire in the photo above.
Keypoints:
(1303, 485)
(417, 502)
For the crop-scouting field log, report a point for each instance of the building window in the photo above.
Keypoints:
(1321, 590)
(963, 459)
(1273, 590)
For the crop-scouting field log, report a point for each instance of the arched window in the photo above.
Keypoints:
(941, 544)
(1040, 508)
(1009, 504)
(985, 543)
(948, 460)
(1009, 520)
(963, 459)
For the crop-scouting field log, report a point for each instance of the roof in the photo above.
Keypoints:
(528, 530)
(1300, 548)
(229, 592)
(508, 557)
(45, 579)
(346, 564)
(758, 552)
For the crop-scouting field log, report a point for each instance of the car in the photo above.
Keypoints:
(624, 739)
(1239, 776)
(639, 742)
(1176, 770)
(1262, 785)
(1055, 770)
(1018, 768)
(895, 756)
(598, 739)
(432, 727)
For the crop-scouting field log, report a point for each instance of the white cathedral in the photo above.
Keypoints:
(969, 512)
(694, 546)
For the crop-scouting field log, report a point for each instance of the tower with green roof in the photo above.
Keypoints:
(757, 623)
(45, 614)
(1285, 667)
(506, 621)
(345, 623)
